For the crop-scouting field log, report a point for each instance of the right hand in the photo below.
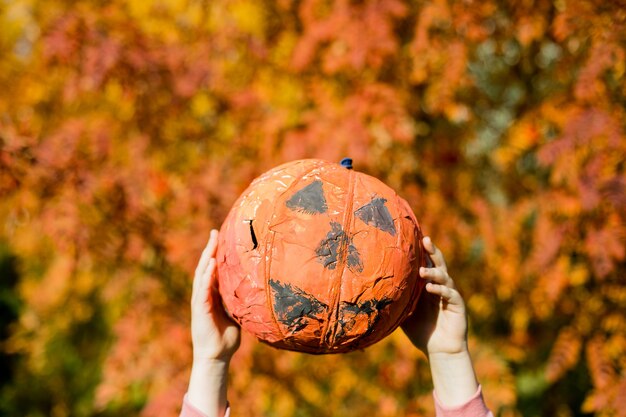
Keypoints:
(439, 323)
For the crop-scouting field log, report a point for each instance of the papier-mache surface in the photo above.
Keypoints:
(318, 258)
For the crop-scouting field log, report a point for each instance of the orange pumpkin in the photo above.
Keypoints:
(318, 258)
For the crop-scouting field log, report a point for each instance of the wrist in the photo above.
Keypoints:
(211, 364)
(207, 385)
(211, 352)
(450, 352)
(453, 376)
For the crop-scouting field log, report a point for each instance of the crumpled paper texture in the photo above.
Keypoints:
(318, 258)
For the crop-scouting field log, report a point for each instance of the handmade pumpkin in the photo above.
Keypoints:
(319, 258)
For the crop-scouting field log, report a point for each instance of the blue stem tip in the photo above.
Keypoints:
(346, 163)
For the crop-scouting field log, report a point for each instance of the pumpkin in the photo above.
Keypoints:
(318, 258)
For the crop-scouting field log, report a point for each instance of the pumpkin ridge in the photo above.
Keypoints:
(268, 262)
(329, 333)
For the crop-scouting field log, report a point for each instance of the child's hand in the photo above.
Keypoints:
(215, 338)
(214, 335)
(439, 323)
(438, 327)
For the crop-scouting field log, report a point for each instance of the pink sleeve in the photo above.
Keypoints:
(191, 411)
(474, 407)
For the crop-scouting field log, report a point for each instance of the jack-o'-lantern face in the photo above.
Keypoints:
(318, 258)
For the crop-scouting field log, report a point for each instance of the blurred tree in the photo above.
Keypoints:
(128, 128)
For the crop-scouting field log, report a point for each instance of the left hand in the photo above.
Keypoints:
(214, 335)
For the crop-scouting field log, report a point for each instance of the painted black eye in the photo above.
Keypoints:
(309, 199)
(377, 214)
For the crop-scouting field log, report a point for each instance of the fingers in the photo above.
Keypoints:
(450, 295)
(439, 282)
(212, 245)
(205, 270)
(435, 253)
(208, 252)
(211, 276)
(437, 275)
(212, 295)
(212, 300)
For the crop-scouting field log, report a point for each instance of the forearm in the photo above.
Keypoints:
(453, 377)
(207, 387)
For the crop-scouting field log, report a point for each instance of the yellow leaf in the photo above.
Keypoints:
(139, 8)
(202, 105)
(249, 17)
(578, 275)
(480, 305)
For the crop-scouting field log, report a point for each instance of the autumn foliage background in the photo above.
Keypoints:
(128, 128)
